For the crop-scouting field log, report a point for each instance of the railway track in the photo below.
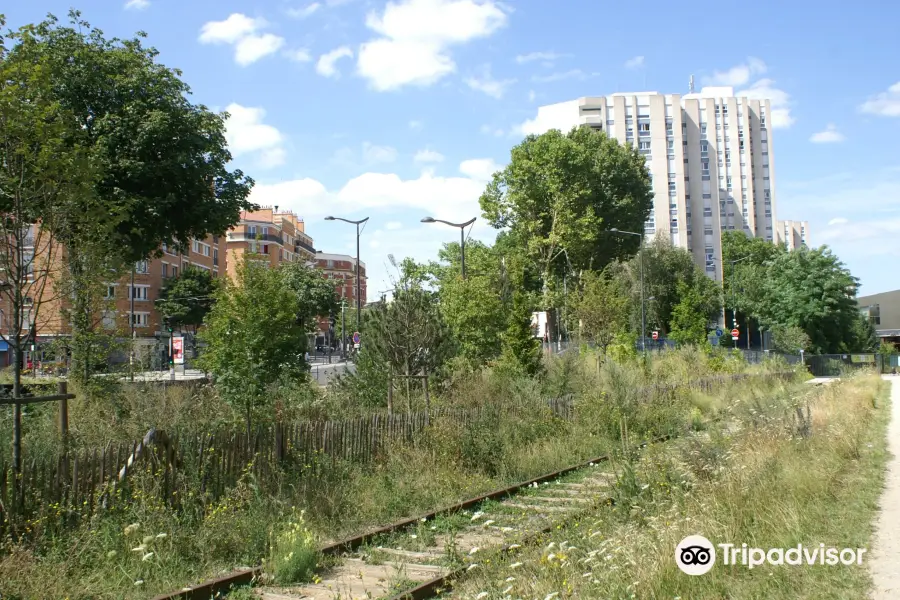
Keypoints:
(418, 557)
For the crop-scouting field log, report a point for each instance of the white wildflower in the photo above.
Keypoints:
(481, 595)
(140, 548)
(470, 567)
(489, 522)
(147, 556)
(139, 582)
(510, 579)
(507, 590)
(474, 550)
(515, 565)
(513, 546)
(160, 536)
(131, 529)
(477, 515)
(551, 595)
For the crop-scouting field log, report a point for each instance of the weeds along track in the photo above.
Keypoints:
(420, 557)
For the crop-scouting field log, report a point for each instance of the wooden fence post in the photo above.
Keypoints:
(62, 390)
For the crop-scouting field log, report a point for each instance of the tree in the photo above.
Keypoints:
(160, 161)
(253, 337)
(315, 295)
(665, 268)
(560, 195)
(187, 299)
(790, 339)
(813, 290)
(602, 308)
(520, 351)
(38, 170)
(409, 337)
(689, 318)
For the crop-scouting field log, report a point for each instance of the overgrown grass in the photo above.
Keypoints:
(761, 475)
(516, 438)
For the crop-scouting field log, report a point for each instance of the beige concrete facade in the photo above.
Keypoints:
(883, 310)
(709, 155)
(793, 234)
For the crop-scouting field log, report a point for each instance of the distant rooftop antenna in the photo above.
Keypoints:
(691, 85)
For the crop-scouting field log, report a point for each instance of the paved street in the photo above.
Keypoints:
(322, 372)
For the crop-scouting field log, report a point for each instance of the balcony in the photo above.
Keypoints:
(301, 244)
(270, 238)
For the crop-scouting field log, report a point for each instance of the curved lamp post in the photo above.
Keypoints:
(462, 236)
(358, 277)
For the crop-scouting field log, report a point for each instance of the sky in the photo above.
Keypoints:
(400, 110)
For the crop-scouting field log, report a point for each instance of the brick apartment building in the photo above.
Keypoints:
(342, 269)
(267, 232)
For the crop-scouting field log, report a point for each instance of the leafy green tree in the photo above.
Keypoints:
(560, 195)
(863, 337)
(790, 339)
(253, 336)
(689, 318)
(602, 308)
(187, 299)
(813, 290)
(316, 295)
(160, 160)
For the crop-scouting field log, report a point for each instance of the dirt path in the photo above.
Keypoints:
(885, 556)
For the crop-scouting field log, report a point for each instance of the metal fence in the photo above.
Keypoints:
(835, 365)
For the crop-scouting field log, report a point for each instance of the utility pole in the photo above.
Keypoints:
(462, 237)
(344, 328)
(131, 318)
(643, 312)
(358, 275)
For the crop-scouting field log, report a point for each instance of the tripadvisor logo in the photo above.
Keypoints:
(696, 555)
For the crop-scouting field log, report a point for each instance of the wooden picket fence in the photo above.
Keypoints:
(65, 489)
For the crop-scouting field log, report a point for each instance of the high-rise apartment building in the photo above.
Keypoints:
(793, 234)
(709, 155)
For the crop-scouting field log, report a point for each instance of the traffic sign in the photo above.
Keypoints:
(178, 350)
(355, 337)
(655, 335)
(735, 334)
(719, 332)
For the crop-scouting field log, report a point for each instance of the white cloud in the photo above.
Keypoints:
(885, 104)
(531, 95)
(306, 11)
(634, 63)
(246, 134)
(541, 56)
(485, 83)
(137, 4)
(393, 225)
(416, 125)
(829, 135)
(562, 116)
(378, 154)
(737, 76)
(741, 76)
(300, 55)
(416, 38)
(479, 169)
(242, 32)
(326, 64)
(837, 221)
(428, 156)
(571, 74)
(780, 101)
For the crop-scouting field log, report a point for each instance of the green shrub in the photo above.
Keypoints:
(294, 555)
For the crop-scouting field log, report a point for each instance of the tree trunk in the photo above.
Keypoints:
(17, 407)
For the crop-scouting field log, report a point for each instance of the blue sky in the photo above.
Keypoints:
(398, 110)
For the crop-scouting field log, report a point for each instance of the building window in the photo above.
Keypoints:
(205, 249)
(265, 248)
(165, 270)
(252, 231)
(174, 271)
(110, 292)
(109, 319)
(141, 319)
(140, 292)
(195, 246)
(141, 267)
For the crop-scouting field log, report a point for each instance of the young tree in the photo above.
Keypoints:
(408, 336)
(602, 308)
(253, 336)
(560, 195)
(187, 299)
(790, 339)
(38, 170)
(520, 350)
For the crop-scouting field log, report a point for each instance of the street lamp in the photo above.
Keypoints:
(734, 298)
(643, 314)
(358, 277)
(462, 237)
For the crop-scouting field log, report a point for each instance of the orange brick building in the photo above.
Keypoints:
(342, 269)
